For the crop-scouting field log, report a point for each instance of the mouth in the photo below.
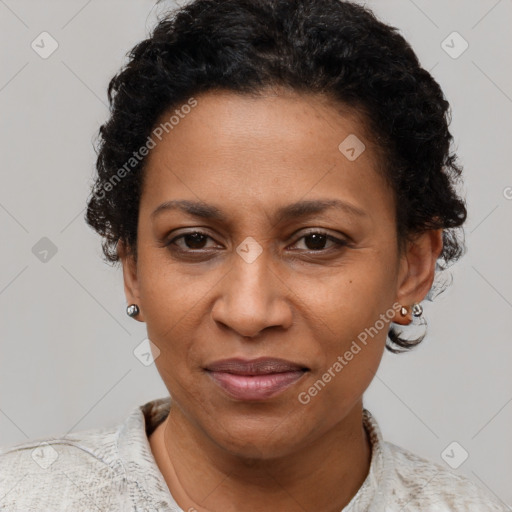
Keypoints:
(256, 379)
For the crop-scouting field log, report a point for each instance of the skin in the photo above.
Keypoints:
(249, 156)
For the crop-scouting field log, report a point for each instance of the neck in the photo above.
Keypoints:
(322, 475)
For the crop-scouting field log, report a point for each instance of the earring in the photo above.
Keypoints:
(417, 310)
(132, 310)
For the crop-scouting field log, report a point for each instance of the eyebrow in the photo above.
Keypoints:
(295, 210)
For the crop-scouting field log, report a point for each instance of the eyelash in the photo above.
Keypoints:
(339, 242)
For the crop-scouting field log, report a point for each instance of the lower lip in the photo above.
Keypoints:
(255, 387)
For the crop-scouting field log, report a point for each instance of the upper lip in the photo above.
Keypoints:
(259, 366)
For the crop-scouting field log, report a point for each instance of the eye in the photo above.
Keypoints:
(315, 241)
(194, 240)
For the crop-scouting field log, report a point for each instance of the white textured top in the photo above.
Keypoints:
(113, 469)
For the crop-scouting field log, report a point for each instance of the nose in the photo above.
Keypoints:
(253, 297)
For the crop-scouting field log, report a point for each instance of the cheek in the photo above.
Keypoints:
(176, 310)
(171, 295)
(353, 315)
(350, 364)
(168, 304)
(350, 299)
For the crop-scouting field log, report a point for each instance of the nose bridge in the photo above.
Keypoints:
(251, 281)
(250, 299)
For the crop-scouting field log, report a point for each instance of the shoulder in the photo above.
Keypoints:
(419, 484)
(76, 467)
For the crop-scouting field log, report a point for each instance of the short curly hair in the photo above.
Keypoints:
(335, 48)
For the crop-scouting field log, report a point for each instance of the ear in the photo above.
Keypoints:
(130, 278)
(417, 271)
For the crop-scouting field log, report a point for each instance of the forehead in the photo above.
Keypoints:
(275, 145)
(259, 122)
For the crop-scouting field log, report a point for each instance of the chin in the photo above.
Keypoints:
(258, 437)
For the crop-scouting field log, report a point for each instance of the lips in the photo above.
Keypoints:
(256, 379)
(260, 366)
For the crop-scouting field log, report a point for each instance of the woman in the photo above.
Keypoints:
(277, 183)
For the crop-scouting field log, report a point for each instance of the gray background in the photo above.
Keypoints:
(66, 344)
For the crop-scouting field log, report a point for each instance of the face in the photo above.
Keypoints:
(253, 274)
